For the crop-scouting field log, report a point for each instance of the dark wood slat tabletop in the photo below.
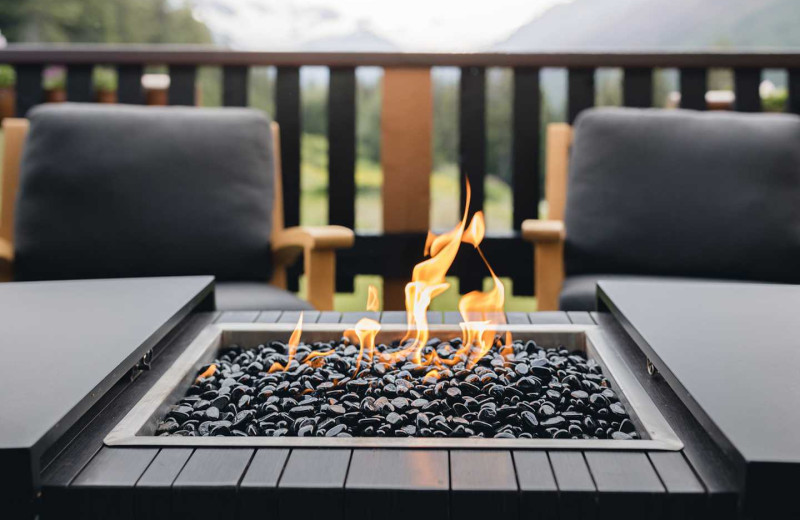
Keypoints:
(356, 484)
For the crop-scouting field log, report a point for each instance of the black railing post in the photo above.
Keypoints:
(129, 84)
(29, 87)
(580, 95)
(79, 83)
(693, 88)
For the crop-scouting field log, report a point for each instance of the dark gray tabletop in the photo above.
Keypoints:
(731, 351)
(65, 343)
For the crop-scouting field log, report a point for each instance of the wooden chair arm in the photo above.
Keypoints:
(318, 245)
(6, 260)
(542, 231)
(548, 250)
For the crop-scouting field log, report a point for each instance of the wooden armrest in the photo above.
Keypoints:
(543, 231)
(318, 245)
(548, 246)
(6, 260)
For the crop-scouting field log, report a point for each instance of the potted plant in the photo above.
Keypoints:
(54, 84)
(8, 78)
(105, 85)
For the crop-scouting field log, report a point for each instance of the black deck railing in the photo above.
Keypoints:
(393, 254)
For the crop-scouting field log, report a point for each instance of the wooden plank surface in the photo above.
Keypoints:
(238, 317)
(693, 88)
(210, 478)
(576, 489)
(580, 91)
(234, 85)
(537, 485)
(152, 495)
(329, 317)
(79, 83)
(400, 484)
(351, 318)
(182, 89)
(580, 318)
(257, 496)
(483, 485)
(549, 318)
(686, 497)
(517, 318)
(293, 316)
(105, 487)
(627, 485)
(312, 485)
(637, 87)
(268, 316)
(129, 84)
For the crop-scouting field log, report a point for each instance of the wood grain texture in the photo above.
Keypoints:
(401, 484)
(152, 494)
(312, 485)
(406, 159)
(211, 478)
(627, 485)
(537, 485)
(15, 130)
(576, 490)
(483, 484)
(257, 495)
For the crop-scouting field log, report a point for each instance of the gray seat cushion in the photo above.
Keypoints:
(254, 296)
(121, 191)
(683, 193)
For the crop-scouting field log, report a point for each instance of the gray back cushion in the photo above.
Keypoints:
(123, 191)
(677, 192)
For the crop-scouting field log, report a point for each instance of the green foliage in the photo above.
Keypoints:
(104, 79)
(8, 77)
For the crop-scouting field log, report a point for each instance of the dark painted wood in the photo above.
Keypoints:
(210, 477)
(793, 103)
(537, 485)
(351, 318)
(293, 316)
(152, 497)
(129, 84)
(526, 140)
(685, 494)
(182, 87)
(472, 164)
(746, 85)
(312, 485)
(627, 485)
(238, 317)
(234, 85)
(268, 316)
(483, 485)
(580, 318)
(693, 87)
(214, 55)
(105, 487)
(394, 317)
(329, 317)
(29, 87)
(576, 489)
(79, 83)
(549, 318)
(517, 318)
(580, 91)
(637, 87)
(257, 494)
(397, 485)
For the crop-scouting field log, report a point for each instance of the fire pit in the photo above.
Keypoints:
(551, 387)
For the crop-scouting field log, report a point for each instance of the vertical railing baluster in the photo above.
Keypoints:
(472, 159)
(793, 103)
(526, 177)
(694, 83)
(287, 115)
(580, 95)
(182, 88)
(234, 85)
(129, 84)
(637, 89)
(746, 85)
(29, 90)
(342, 157)
(79, 83)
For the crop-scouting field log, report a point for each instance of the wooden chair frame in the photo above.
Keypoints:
(317, 244)
(548, 235)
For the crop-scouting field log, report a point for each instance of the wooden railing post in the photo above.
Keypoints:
(407, 161)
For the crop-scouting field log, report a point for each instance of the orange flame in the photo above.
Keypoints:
(294, 341)
(373, 302)
(210, 371)
(366, 330)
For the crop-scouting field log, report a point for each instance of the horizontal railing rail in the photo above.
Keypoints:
(406, 125)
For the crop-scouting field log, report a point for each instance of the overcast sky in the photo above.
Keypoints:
(412, 25)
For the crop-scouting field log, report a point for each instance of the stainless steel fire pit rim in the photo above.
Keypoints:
(136, 427)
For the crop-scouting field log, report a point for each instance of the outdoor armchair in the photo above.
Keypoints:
(125, 191)
(643, 193)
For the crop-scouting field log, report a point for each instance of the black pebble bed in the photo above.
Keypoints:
(520, 392)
